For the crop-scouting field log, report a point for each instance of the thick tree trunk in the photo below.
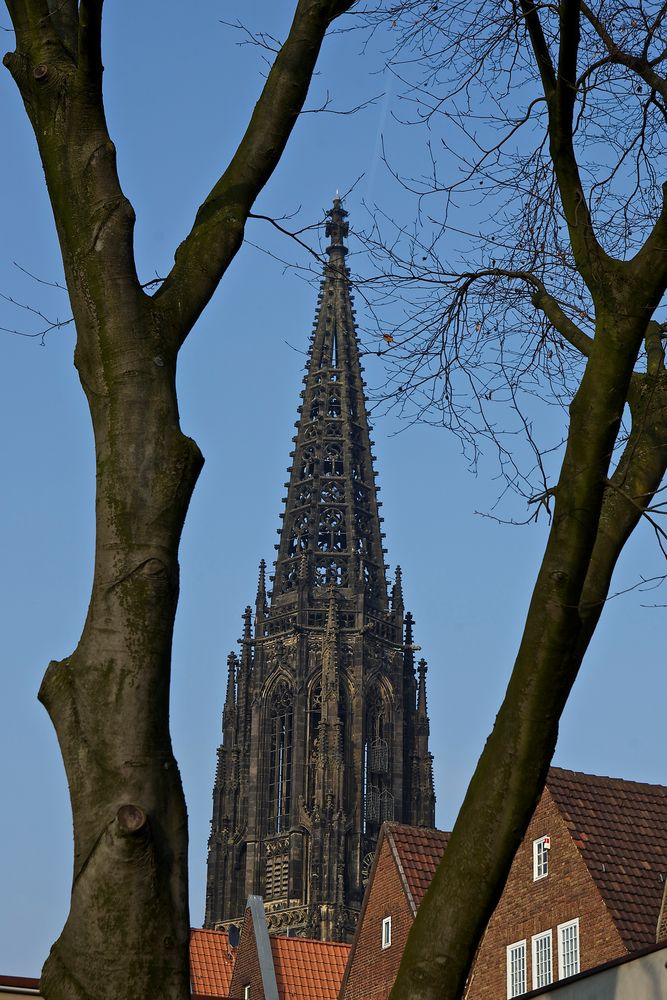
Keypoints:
(592, 522)
(109, 701)
(127, 932)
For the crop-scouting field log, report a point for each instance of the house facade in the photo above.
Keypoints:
(586, 887)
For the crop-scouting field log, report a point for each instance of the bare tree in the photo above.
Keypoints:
(559, 112)
(127, 931)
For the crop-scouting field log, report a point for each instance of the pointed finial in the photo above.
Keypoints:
(247, 624)
(260, 600)
(397, 590)
(246, 641)
(230, 697)
(303, 567)
(336, 228)
(421, 697)
(261, 583)
(330, 627)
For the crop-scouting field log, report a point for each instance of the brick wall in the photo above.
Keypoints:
(530, 907)
(246, 968)
(373, 970)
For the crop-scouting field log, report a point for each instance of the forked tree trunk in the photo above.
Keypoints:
(593, 518)
(126, 936)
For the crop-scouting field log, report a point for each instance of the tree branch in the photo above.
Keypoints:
(539, 46)
(543, 300)
(560, 321)
(651, 261)
(90, 37)
(216, 236)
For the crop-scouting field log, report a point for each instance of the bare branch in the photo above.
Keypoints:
(218, 229)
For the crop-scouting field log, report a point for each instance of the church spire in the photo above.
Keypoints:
(331, 528)
(326, 734)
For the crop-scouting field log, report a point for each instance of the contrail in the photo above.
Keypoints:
(382, 118)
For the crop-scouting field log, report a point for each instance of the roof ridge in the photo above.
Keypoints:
(556, 771)
(302, 940)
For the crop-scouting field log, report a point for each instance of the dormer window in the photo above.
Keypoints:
(541, 850)
(386, 932)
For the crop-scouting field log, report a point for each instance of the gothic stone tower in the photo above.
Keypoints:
(325, 731)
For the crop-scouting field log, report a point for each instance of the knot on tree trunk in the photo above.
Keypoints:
(131, 819)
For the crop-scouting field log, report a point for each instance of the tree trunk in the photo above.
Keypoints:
(591, 523)
(109, 701)
(127, 932)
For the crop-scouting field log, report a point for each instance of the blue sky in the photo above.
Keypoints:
(179, 91)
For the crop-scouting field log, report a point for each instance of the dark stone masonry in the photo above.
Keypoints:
(325, 731)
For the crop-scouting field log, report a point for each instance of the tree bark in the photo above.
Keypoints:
(592, 522)
(593, 518)
(127, 932)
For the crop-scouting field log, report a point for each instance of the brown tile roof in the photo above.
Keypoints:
(308, 969)
(418, 851)
(211, 963)
(620, 828)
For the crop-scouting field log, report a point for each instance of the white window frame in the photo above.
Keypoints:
(518, 947)
(386, 933)
(541, 858)
(547, 974)
(246, 991)
(562, 928)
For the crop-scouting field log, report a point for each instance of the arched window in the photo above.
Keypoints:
(333, 410)
(333, 460)
(315, 405)
(308, 462)
(303, 496)
(331, 536)
(280, 757)
(314, 718)
(378, 799)
(298, 541)
(290, 577)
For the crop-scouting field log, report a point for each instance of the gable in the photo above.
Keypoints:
(372, 969)
(247, 970)
(620, 829)
(530, 907)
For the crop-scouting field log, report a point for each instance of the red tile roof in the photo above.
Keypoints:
(418, 851)
(308, 969)
(211, 963)
(620, 828)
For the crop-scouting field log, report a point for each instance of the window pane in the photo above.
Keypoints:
(516, 969)
(568, 949)
(542, 975)
(541, 857)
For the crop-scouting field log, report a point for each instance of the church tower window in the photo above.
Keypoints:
(280, 758)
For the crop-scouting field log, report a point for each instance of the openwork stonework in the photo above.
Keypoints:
(325, 730)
